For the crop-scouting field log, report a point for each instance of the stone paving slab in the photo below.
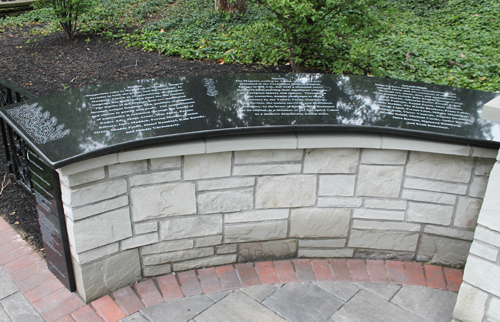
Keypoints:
(19, 309)
(180, 310)
(8, 287)
(385, 291)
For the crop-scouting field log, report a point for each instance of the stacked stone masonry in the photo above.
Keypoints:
(149, 217)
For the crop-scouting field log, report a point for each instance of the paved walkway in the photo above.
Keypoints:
(287, 290)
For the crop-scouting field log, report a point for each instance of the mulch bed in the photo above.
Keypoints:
(47, 64)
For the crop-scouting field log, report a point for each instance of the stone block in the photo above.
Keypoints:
(336, 185)
(168, 246)
(122, 169)
(467, 212)
(273, 250)
(256, 215)
(96, 253)
(428, 196)
(322, 243)
(384, 255)
(487, 235)
(439, 166)
(344, 202)
(483, 275)
(384, 240)
(84, 177)
(250, 142)
(155, 177)
(165, 163)
(105, 276)
(491, 203)
(205, 262)
(204, 166)
(318, 223)
(227, 183)
(389, 204)
(157, 270)
(225, 201)
(438, 186)
(331, 160)
(164, 258)
(443, 250)
(255, 231)
(97, 208)
(326, 253)
(478, 187)
(429, 213)
(99, 230)
(163, 200)
(226, 249)
(139, 240)
(372, 156)
(93, 193)
(378, 214)
(493, 311)
(266, 169)
(385, 225)
(261, 156)
(145, 227)
(208, 241)
(179, 228)
(379, 181)
(483, 250)
(286, 191)
(449, 232)
(484, 166)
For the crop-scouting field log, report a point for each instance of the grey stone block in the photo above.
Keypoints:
(483, 250)
(274, 250)
(238, 306)
(168, 246)
(428, 196)
(204, 262)
(226, 183)
(322, 243)
(202, 166)
(388, 204)
(165, 163)
(225, 201)
(331, 160)
(237, 233)
(372, 156)
(384, 240)
(155, 177)
(100, 278)
(93, 193)
(163, 200)
(431, 304)
(336, 185)
(298, 302)
(439, 166)
(179, 310)
(163, 258)
(179, 228)
(99, 230)
(256, 215)
(429, 213)
(478, 187)
(471, 304)
(318, 223)
(260, 156)
(449, 232)
(384, 255)
(378, 214)
(325, 253)
(122, 169)
(139, 240)
(145, 227)
(379, 181)
(467, 212)
(443, 250)
(484, 166)
(84, 177)
(208, 241)
(226, 249)
(286, 191)
(96, 253)
(341, 202)
(95, 209)
(266, 169)
(19, 309)
(157, 270)
(385, 225)
(434, 185)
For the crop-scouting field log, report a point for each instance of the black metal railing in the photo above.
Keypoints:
(16, 150)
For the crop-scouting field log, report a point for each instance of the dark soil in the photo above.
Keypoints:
(47, 64)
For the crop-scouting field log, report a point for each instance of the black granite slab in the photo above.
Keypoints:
(82, 123)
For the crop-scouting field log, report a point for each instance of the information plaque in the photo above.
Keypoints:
(82, 123)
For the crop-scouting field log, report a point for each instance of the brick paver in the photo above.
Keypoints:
(453, 278)
(28, 271)
(51, 300)
(67, 318)
(189, 283)
(209, 280)
(228, 278)
(322, 270)
(435, 277)
(107, 309)
(284, 270)
(415, 273)
(127, 300)
(340, 270)
(149, 293)
(15, 255)
(266, 272)
(62, 309)
(247, 274)
(86, 314)
(396, 272)
(169, 287)
(377, 271)
(36, 280)
(304, 270)
(44, 290)
(357, 268)
(21, 263)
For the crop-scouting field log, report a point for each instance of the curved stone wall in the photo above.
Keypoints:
(218, 201)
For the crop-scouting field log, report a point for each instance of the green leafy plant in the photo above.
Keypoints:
(67, 12)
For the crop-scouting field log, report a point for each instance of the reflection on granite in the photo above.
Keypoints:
(95, 120)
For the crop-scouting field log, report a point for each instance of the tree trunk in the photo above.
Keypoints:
(230, 6)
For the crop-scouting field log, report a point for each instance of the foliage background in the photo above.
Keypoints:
(448, 42)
